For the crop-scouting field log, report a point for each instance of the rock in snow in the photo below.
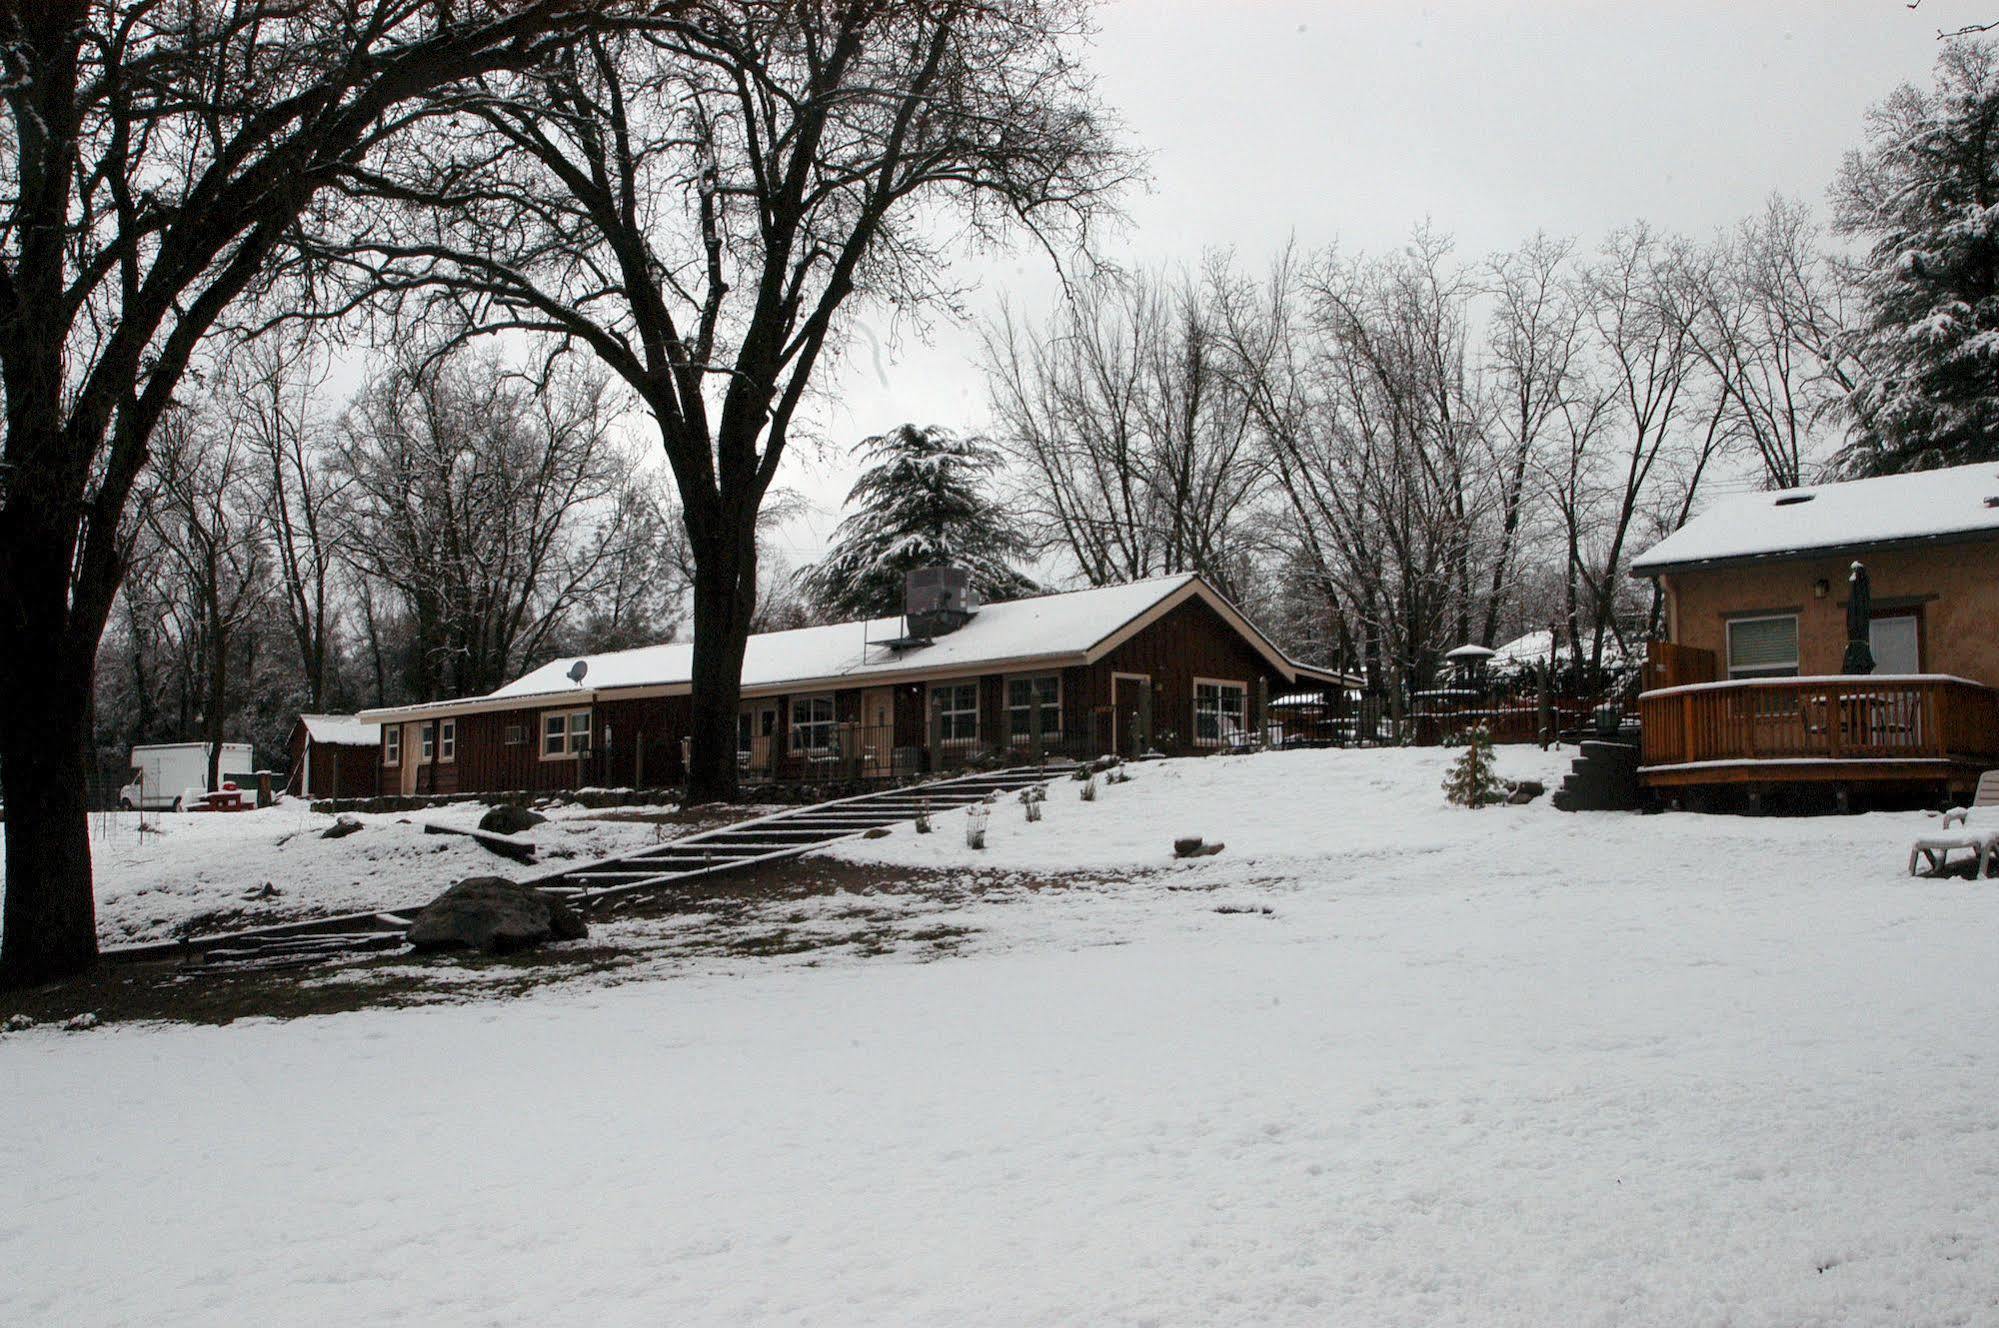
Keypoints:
(494, 915)
(341, 828)
(510, 819)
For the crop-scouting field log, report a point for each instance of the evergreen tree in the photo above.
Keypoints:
(1924, 190)
(923, 502)
(1472, 782)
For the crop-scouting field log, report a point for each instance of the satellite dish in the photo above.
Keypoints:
(577, 670)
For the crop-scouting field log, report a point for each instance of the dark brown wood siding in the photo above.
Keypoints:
(643, 742)
(1192, 641)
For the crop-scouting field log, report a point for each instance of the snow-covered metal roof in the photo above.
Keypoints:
(341, 730)
(1960, 502)
(1072, 627)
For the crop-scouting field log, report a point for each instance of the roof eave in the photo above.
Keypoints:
(1643, 571)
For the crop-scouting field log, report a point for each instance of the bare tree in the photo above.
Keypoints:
(276, 383)
(698, 205)
(1773, 326)
(489, 503)
(1133, 438)
(209, 524)
(154, 159)
(1535, 342)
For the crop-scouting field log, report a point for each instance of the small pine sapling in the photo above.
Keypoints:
(1472, 781)
(975, 826)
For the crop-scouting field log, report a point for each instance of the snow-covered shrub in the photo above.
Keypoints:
(1031, 799)
(975, 826)
(1472, 781)
(1089, 793)
(923, 819)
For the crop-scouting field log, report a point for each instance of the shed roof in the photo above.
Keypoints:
(342, 730)
(1929, 506)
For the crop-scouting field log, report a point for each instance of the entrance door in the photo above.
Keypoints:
(411, 756)
(756, 734)
(1131, 713)
(877, 736)
(1896, 643)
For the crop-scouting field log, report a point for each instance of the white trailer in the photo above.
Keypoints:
(172, 775)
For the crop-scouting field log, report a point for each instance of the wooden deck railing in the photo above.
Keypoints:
(1833, 718)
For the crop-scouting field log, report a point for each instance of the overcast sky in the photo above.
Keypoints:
(1356, 121)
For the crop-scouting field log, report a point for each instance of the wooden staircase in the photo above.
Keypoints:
(773, 838)
(781, 835)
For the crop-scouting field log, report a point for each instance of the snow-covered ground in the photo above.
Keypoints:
(1381, 1062)
(209, 871)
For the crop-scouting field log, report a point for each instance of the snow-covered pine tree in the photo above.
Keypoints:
(1922, 191)
(922, 502)
(1471, 781)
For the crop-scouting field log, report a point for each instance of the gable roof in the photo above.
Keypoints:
(341, 730)
(1070, 628)
(1924, 507)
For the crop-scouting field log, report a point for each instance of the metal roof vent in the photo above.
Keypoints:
(1793, 499)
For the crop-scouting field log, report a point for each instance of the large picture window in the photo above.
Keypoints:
(1763, 647)
(956, 705)
(564, 733)
(811, 723)
(1220, 710)
(1026, 695)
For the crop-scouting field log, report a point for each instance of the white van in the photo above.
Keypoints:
(172, 775)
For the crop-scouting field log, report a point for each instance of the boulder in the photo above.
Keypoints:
(1193, 846)
(341, 828)
(510, 819)
(494, 915)
(1525, 791)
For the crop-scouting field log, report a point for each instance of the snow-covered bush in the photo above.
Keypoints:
(1031, 799)
(923, 819)
(975, 826)
(1089, 793)
(1472, 781)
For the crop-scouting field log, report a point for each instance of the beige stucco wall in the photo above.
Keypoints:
(1954, 586)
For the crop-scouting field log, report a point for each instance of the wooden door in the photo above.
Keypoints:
(1131, 713)
(411, 755)
(877, 735)
(756, 735)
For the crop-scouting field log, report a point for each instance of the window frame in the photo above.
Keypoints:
(426, 742)
(1221, 687)
(795, 727)
(1749, 672)
(392, 744)
(447, 741)
(956, 712)
(566, 746)
(1026, 712)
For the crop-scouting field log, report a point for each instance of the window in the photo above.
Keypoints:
(516, 734)
(1024, 696)
(565, 733)
(426, 737)
(811, 723)
(447, 740)
(1220, 709)
(392, 744)
(1764, 647)
(956, 706)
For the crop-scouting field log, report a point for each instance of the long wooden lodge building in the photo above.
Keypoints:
(1165, 664)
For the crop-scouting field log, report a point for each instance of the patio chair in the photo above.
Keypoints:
(1982, 841)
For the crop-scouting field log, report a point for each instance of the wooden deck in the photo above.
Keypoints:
(1914, 729)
